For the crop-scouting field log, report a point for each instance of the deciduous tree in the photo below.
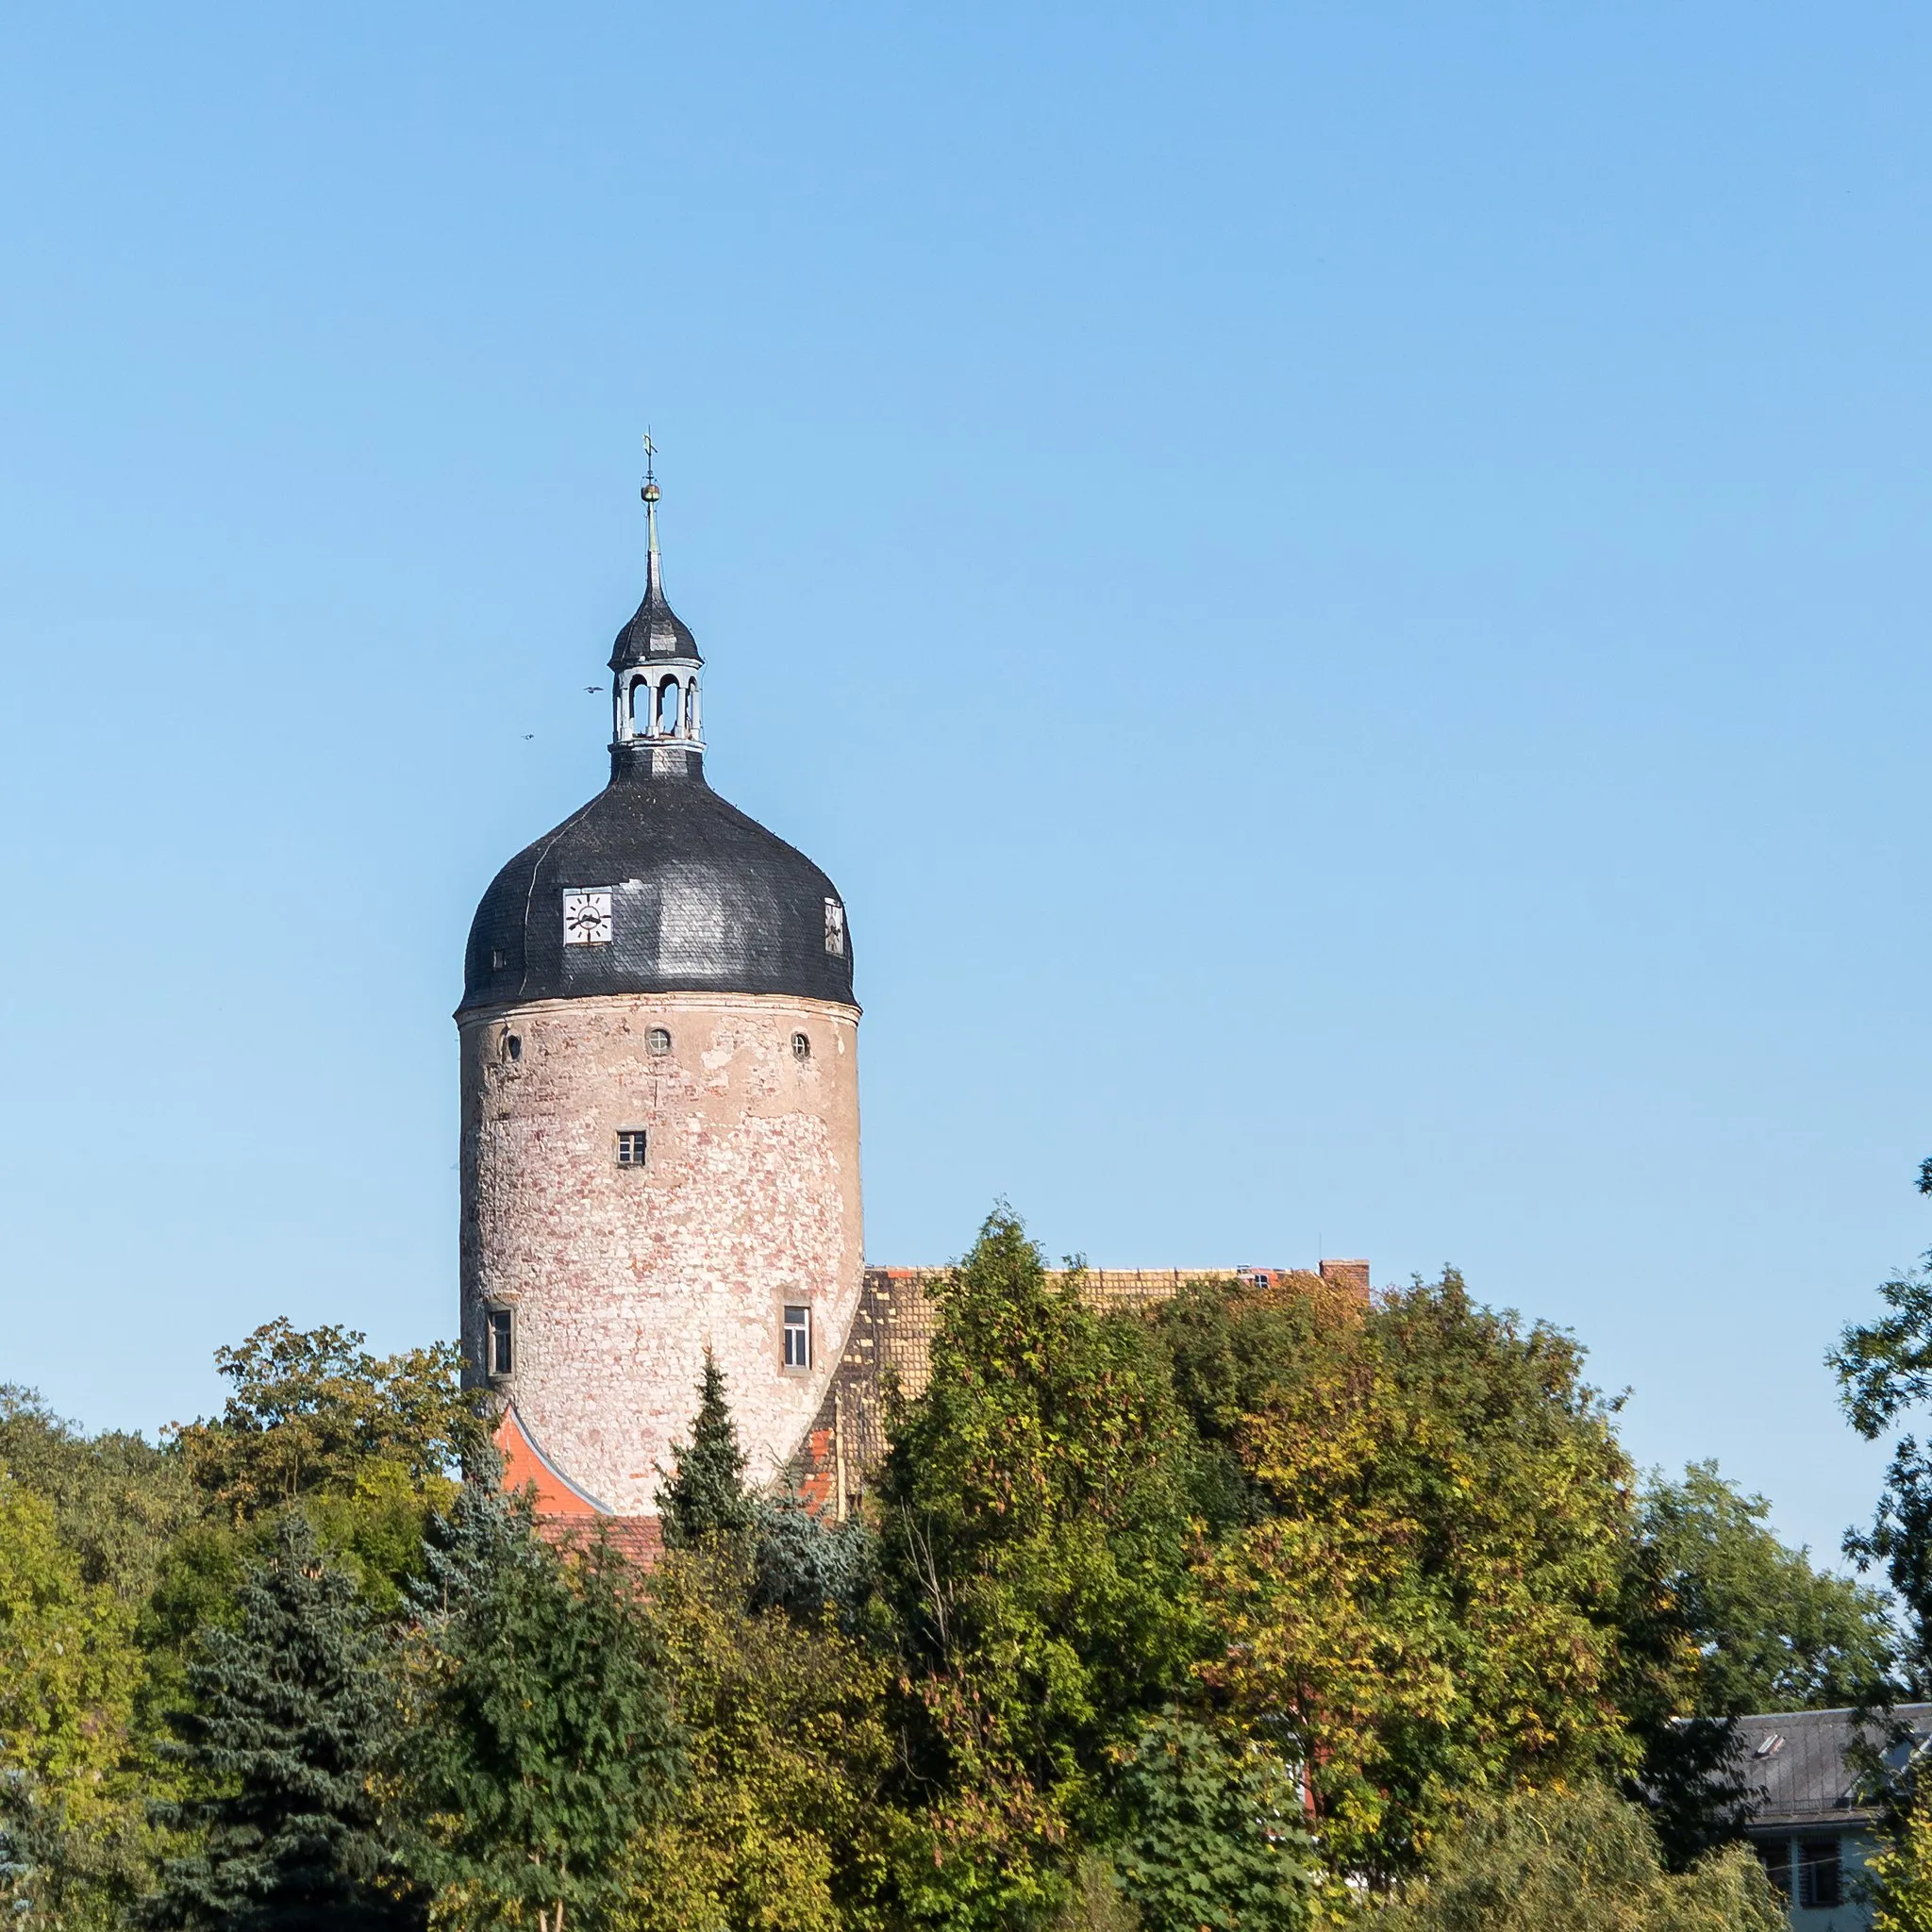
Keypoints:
(1772, 1633)
(311, 1410)
(1214, 1838)
(1578, 1860)
(68, 1674)
(784, 1819)
(1034, 1537)
(1429, 1609)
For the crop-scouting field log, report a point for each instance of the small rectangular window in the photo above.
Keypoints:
(630, 1146)
(1819, 1887)
(797, 1338)
(500, 1342)
(835, 928)
(1775, 1856)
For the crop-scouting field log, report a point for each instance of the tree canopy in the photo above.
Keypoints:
(1578, 1860)
(543, 1739)
(1428, 1604)
(312, 1411)
(291, 1719)
(1034, 1542)
(1772, 1632)
(1253, 1608)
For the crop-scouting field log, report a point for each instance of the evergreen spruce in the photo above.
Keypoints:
(546, 1741)
(805, 1564)
(293, 1717)
(703, 1496)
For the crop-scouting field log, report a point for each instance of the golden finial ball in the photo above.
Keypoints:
(650, 492)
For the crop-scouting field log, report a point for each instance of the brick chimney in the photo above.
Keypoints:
(1350, 1274)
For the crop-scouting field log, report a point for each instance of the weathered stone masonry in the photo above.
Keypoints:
(620, 1276)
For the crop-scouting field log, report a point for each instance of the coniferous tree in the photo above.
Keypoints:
(704, 1495)
(544, 1742)
(294, 1716)
(805, 1564)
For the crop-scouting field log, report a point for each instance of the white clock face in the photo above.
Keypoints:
(587, 917)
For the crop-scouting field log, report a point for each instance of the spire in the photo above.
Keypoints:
(655, 633)
(654, 582)
(654, 693)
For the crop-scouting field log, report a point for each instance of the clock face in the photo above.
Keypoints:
(587, 917)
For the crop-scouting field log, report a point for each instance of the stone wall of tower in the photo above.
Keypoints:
(618, 1276)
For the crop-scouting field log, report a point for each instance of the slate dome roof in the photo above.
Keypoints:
(703, 899)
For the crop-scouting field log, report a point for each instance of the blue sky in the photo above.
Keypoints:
(1341, 590)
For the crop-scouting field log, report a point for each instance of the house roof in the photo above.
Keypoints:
(1801, 1766)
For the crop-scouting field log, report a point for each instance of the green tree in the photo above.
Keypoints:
(1772, 1633)
(1234, 1347)
(1431, 1608)
(704, 1495)
(1900, 1876)
(293, 1717)
(1034, 1534)
(1578, 1860)
(118, 1500)
(1215, 1841)
(1688, 1777)
(807, 1566)
(784, 1821)
(542, 1739)
(312, 1411)
(67, 1673)
(367, 1446)
(1884, 1371)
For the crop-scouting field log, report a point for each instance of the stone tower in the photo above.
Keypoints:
(659, 1112)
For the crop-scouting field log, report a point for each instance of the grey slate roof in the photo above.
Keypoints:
(703, 900)
(1796, 1765)
(655, 633)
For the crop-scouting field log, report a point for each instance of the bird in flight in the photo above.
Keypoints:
(527, 736)
(593, 689)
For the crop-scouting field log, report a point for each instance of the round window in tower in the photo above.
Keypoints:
(659, 1040)
(801, 1047)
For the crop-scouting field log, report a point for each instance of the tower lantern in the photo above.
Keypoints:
(654, 662)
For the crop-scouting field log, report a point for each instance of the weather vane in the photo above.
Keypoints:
(650, 459)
